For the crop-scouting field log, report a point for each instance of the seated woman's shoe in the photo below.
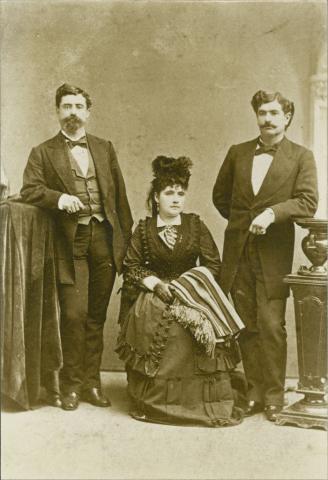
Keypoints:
(271, 412)
(53, 399)
(70, 401)
(96, 397)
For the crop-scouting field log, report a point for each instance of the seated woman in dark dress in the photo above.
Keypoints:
(176, 374)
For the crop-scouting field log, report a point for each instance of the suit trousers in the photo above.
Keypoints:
(84, 306)
(263, 342)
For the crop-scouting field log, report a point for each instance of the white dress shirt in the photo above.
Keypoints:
(81, 155)
(261, 165)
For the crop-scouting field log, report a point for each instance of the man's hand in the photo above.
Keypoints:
(162, 290)
(70, 203)
(260, 223)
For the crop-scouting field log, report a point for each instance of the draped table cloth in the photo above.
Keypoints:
(31, 352)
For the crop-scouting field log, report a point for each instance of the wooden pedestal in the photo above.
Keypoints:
(310, 302)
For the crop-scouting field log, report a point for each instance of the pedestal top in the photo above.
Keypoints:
(297, 279)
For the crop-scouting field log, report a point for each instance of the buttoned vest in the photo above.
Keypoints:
(87, 188)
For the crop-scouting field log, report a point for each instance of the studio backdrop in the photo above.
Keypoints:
(172, 78)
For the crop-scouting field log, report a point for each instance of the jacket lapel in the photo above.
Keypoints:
(279, 170)
(99, 152)
(59, 159)
(245, 174)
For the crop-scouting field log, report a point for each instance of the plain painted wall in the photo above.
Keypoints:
(171, 78)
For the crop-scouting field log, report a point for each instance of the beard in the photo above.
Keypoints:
(72, 123)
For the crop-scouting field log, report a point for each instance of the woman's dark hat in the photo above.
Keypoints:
(175, 170)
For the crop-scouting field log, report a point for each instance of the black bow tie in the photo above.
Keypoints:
(81, 142)
(270, 149)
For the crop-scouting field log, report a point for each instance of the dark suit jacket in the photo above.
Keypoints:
(48, 175)
(289, 188)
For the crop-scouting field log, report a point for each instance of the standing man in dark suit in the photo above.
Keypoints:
(261, 186)
(76, 176)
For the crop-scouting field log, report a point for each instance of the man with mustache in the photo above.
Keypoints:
(261, 186)
(76, 176)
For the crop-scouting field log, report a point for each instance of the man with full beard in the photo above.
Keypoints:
(76, 176)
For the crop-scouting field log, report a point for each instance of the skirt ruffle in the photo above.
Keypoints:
(170, 378)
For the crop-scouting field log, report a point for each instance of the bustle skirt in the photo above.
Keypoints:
(170, 378)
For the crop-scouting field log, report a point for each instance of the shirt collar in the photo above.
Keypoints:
(261, 143)
(161, 223)
(73, 139)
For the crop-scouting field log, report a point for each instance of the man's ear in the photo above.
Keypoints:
(288, 116)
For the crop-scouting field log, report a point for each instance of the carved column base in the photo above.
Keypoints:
(305, 415)
(310, 302)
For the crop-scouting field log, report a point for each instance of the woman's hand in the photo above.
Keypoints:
(162, 290)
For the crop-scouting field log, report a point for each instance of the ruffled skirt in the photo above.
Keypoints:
(170, 378)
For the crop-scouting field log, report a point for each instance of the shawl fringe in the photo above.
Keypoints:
(198, 324)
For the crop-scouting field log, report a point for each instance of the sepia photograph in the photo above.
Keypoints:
(163, 240)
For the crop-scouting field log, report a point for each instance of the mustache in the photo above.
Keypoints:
(72, 121)
(268, 124)
(72, 118)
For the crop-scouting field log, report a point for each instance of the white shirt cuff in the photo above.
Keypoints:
(60, 201)
(271, 212)
(150, 282)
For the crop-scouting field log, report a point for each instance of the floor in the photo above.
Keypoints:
(94, 443)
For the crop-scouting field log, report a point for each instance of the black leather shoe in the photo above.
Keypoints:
(70, 401)
(96, 397)
(253, 408)
(271, 412)
(53, 399)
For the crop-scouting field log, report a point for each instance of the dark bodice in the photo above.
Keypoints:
(149, 255)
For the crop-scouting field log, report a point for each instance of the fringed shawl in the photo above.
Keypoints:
(201, 306)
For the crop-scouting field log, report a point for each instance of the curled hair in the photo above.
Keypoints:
(261, 97)
(67, 89)
(168, 171)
